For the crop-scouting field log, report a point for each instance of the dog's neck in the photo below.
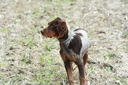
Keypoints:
(66, 39)
(62, 39)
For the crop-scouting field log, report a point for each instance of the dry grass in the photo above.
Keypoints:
(26, 58)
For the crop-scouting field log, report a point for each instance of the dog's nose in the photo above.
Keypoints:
(42, 31)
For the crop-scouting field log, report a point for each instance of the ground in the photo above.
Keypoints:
(27, 58)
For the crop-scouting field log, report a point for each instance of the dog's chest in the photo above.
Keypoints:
(65, 50)
(68, 53)
(72, 48)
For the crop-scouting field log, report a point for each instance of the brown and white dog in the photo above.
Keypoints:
(73, 47)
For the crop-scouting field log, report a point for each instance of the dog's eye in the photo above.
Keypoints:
(51, 28)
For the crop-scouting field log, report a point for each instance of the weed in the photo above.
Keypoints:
(49, 48)
(125, 34)
(8, 28)
(109, 55)
(15, 22)
(52, 17)
(9, 54)
(108, 69)
(121, 80)
(47, 59)
(1, 30)
(91, 69)
(26, 60)
(35, 29)
(36, 13)
(45, 54)
(28, 41)
(30, 44)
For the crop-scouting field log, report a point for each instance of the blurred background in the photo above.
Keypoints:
(27, 58)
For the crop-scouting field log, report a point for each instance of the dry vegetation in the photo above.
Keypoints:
(26, 58)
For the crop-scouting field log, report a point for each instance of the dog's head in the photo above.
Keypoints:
(56, 28)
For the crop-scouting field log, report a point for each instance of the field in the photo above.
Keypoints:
(27, 58)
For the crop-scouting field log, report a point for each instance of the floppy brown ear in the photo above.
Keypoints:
(63, 29)
(58, 18)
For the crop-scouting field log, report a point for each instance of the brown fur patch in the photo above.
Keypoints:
(76, 44)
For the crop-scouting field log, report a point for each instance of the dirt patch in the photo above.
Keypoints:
(26, 58)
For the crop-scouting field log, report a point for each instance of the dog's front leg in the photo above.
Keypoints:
(68, 67)
(80, 65)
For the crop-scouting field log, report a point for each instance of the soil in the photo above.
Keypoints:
(26, 56)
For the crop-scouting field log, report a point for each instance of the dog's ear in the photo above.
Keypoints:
(58, 18)
(63, 23)
(57, 21)
(63, 29)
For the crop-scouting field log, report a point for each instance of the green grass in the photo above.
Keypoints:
(49, 47)
(26, 60)
(28, 41)
(49, 74)
(1, 30)
(109, 55)
(46, 78)
(108, 69)
(120, 79)
(91, 69)
(15, 22)
(8, 28)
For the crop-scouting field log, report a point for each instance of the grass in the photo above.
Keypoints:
(8, 28)
(120, 80)
(108, 69)
(91, 70)
(109, 55)
(1, 30)
(48, 76)
(28, 59)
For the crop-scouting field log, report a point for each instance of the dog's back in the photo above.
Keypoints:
(84, 40)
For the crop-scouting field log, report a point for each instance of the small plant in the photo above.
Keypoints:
(47, 59)
(8, 28)
(109, 55)
(125, 34)
(28, 42)
(49, 48)
(26, 60)
(121, 80)
(52, 17)
(15, 22)
(1, 30)
(108, 69)
(91, 69)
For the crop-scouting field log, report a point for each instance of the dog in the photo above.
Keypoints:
(74, 47)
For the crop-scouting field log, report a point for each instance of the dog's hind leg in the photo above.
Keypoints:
(85, 58)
